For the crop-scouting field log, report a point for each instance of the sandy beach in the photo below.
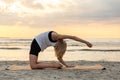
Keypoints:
(105, 52)
(112, 72)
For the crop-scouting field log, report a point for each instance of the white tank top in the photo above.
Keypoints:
(44, 41)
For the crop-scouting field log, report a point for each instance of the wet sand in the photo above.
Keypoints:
(112, 72)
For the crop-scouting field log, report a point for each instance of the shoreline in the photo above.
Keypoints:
(112, 72)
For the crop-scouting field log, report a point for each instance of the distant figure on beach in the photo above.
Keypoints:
(51, 38)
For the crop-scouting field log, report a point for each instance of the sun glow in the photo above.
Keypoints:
(2, 5)
(49, 6)
(91, 31)
(18, 8)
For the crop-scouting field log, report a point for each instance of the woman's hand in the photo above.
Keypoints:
(89, 44)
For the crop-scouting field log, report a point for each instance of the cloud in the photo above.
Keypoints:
(96, 9)
(32, 4)
(42, 13)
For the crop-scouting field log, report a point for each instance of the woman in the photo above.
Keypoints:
(46, 39)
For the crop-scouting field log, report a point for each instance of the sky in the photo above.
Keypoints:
(83, 18)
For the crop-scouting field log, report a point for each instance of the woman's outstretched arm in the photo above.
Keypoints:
(59, 36)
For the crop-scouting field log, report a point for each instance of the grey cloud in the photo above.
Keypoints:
(103, 9)
(30, 4)
(94, 9)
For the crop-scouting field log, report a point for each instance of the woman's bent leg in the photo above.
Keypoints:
(41, 65)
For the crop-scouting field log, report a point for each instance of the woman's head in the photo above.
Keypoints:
(60, 48)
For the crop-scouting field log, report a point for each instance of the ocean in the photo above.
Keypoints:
(103, 49)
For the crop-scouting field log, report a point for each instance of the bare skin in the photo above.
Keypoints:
(41, 65)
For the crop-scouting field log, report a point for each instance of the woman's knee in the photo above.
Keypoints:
(33, 66)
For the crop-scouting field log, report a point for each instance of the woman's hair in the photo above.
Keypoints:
(60, 48)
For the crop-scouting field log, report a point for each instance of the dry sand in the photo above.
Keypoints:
(112, 72)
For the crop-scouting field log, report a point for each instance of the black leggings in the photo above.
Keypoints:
(35, 48)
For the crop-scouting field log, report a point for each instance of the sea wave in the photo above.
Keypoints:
(100, 44)
(13, 48)
(105, 50)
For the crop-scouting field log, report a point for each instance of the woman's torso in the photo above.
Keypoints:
(45, 40)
